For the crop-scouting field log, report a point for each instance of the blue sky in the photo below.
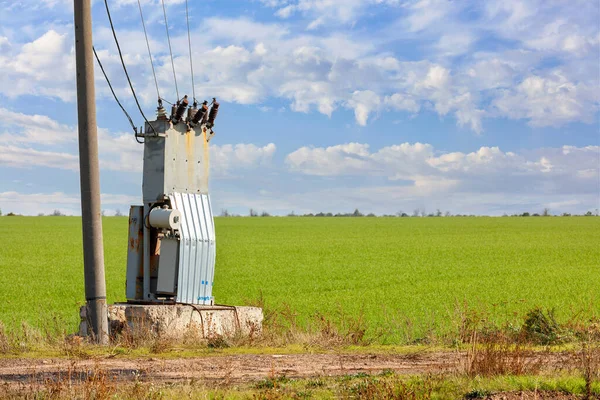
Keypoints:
(327, 105)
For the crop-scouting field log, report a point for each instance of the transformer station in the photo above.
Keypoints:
(171, 244)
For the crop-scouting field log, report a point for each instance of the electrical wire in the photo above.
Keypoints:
(125, 68)
(148, 45)
(170, 49)
(187, 17)
(113, 92)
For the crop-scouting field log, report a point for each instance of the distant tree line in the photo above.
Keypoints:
(417, 213)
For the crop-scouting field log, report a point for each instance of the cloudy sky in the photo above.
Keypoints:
(468, 106)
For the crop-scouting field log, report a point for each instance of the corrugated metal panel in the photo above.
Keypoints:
(213, 250)
(197, 248)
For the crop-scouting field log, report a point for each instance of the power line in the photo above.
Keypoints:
(187, 17)
(170, 49)
(125, 68)
(113, 91)
(149, 52)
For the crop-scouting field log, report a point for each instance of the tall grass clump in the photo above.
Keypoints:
(589, 361)
(499, 354)
(388, 388)
(282, 326)
(540, 327)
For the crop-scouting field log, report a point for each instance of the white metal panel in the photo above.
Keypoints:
(186, 160)
(213, 248)
(202, 258)
(176, 161)
(177, 203)
(208, 224)
(192, 267)
(197, 248)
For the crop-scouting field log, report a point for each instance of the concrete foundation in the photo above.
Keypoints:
(179, 321)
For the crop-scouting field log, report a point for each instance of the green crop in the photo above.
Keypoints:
(409, 273)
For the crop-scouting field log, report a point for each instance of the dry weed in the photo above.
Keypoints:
(390, 389)
(590, 365)
(282, 327)
(467, 320)
(5, 345)
(498, 354)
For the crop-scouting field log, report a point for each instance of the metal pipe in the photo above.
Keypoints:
(93, 252)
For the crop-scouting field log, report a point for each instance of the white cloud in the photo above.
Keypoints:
(454, 44)
(20, 147)
(491, 73)
(20, 157)
(227, 158)
(285, 12)
(328, 12)
(248, 62)
(437, 77)
(331, 161)
(4, 44)
(553, 27)
(364, 104)
(567, 170)
(66, 203)
(397, 177)
(120, 3)
(439, 87)
(44, 67)
(549, 101)
(33, 129)
(403, 102)
(425, 13)
(428, 198)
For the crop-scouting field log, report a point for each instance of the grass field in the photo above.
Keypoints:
(399, 272)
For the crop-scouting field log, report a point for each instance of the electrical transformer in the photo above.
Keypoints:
(171, 246)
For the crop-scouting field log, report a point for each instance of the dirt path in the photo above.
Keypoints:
(231, 369)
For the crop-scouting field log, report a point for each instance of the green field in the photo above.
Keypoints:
(399, 272)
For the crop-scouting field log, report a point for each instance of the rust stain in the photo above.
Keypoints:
(189, 151)
(138, 241)
(206, 161)
(139, 288)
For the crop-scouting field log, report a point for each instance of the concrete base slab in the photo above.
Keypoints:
(178, 321)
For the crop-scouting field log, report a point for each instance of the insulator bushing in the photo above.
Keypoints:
(200, 114)
(214, 111)
(181, 107)
(192, 111)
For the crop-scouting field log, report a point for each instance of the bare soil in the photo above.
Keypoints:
(234, 369)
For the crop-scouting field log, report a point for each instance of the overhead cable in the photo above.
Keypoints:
(170, 49)
(113, 91)
(187, 17)
(125, 68)
(149, 52)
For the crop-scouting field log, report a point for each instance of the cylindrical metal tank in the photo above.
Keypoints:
(165, 218)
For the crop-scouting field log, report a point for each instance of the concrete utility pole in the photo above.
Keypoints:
(93, 253)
